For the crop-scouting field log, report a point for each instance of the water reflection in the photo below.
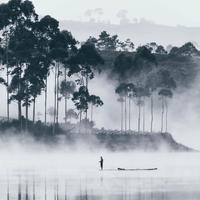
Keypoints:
(39, 178)
(115, 188)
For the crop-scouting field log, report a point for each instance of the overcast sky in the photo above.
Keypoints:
(168, 12)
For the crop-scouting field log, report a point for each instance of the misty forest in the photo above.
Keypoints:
(55, 87)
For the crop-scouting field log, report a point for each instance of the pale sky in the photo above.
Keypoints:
(167, 12)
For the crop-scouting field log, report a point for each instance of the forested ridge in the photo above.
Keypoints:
(33, 48)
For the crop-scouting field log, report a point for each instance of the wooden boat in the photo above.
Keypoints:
(137, 169)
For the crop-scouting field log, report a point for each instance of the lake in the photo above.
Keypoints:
(53, 175)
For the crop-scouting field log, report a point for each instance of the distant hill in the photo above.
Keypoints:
(140, 33)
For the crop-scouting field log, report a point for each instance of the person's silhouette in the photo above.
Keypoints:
(101, 162)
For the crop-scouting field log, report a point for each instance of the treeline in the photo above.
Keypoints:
(32, 47)
(148, 76)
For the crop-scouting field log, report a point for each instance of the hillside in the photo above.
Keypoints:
(112, 140)
(140, 33)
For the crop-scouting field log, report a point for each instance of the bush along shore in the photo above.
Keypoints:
(113, 140)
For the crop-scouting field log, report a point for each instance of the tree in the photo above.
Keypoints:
(15, 15)
(61, 45)
(121, 91)
(81, 99)
(45, 30)
(94, 101)
(121, 101)
(22, 44)
(152, 83)
(125, 90)
(144, 60)
(67, 89)
(71, 114)
(188, 49)
(123, 64)
(85, 62)
(161, 50)
(164, 93)
(141, 93)
(166, 85)
(4, 59)
(131, 93)
(127, 45)
(152, 46)
(92, 40)
(107, 42)
(35, 76)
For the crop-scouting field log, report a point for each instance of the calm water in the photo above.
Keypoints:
(76, 175)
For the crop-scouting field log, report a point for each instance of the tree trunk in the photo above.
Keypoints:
(80, 121)
(91, 112)
(57, 113)
(86, 113)
(65, 192)
(125, 117)
(65, 98)
(45, 190)
(19, 100)
(139, 113)
(166, 116)
(57, 193)
(66, 117)
(80, 116)
(152, 114)
(8, 192)
(86, 80)
(129, 115)
(45, 103)
(34, 110)
(19, 192)
(34, 190)
(143, 115)
(8, 96)
(19, 110)
(26, 114)
(55, 92)
(26, 195)
(133, 103)
(7, 81)
(162, 114)
(122, 120)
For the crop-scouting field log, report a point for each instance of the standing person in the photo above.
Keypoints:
(101, 162)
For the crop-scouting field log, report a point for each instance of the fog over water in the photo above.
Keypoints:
(75, 173)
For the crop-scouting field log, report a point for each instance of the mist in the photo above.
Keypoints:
(27, 168)
(184, 109)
